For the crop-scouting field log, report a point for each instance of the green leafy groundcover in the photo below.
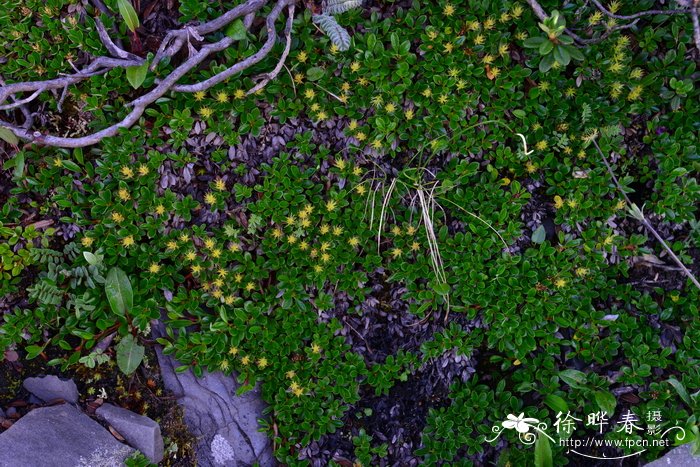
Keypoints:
(241, 271)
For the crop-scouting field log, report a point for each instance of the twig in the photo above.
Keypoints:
(287, 47)
(639, 215)
(640, 14)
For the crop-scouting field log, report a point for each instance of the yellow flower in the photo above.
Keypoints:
(495, 71)
(290, 220)
(210, 198)
(324, 229)
(238, 278)
(489, 24)
(442, 99)
(361, 189)
(315, 348)
(325, 257)
(615, 67)
(325, 246)
(572, 203)
(291, 239)
(229, 299)
(503, 49)
(360, 136)
(415, 246)
(234, 248)
(608, 240)
(215, 253)
(504, 18)
(172, 245)
(377, 144)
(461, 84)
(298, 78)
(396, 230)
(396, 253)
(318, 268)
(408, 114)
(595, 18)
(245, 360)
(154, 268)
(302, 56)
(635, 93)
(517, 10)
(354, 66)
(277, 233)
(363, 81)
(558, 202)
(309, 94)
(321, 116)
(196, 269)
(124, 194)
(560, 283)
(570, 92)
(530, 167)
(239, 94)
(449, 47)
(160, 209)
(353, 241)
(250, 286)
(331, 205)
(199, 95)
(337, 230)
(305, 223)
(222, 97)
(432, 34)
(220, 184)
(479, 39)
(205, 112)
(304, 245)
(233, 350)
(543, 86)
(357, 171)
(427, 93)
(620, 205)
(298, 391)
(116, 217)
(87, 241)
(488, 58)
(448, 10)
(143, 170)
(352, 126)
(390, 108)
(127, 172)
(637, 73)
(222, 273)
(334, 49)
(209, 243)
(290, 374)
(581, 272)
(190, 256)
(262, 362)
(224, 365)
(128, 241)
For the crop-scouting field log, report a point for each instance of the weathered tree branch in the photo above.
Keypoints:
(172, 43)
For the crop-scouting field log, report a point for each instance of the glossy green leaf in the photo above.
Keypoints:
(119, 293)
(129, 354)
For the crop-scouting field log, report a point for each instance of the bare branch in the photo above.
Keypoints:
(288, 45)
(640, 14)
(172, 43)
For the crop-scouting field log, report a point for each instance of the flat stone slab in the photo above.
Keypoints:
(60, 436)
(226, 424)
(139, 431)
(677, 457)
(48, 388)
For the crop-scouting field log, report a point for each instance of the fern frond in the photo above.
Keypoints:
(336, 7)
(337, 34)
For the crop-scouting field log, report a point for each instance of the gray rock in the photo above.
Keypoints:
(139, 431)
(226, 424)
(677, 457)
(48, 388)
(60, 436)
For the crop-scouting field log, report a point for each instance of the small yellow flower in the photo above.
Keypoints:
(355, 67)
(302, 56)
(128, 241)
(432, 34)
(570, 92)
(324, 229)
(199, 95)
(572, 203)
(143, 170)
(331, 205)
(608, 240)
(325, 257)
(334, 49)
(517, 362)
(205, 112)
(116, 217)
(290, 374)
(543, 86)
(449, 47)
(390, 108)
(209, 243)
(87, 241)
(620, 205)
(377, 144)
(473, 25)
(595, 18)
(558, 202)
(309, 94)
(541, 145)
(581, 272)
(448, 10)
(239, 94)
(196, 269)
(304, 245)
(299, 78)
(637, 73)
(215, 253)
(488, 58)
(360, 136)
(238, 278)
(409, 114)
(123, 194)
(190, 256)
(234, 248)
(560, 283)
(479, 39)
(615, 67)
(321, 116)
(262, 362)
(353, 241)
(127, 172)
(210, 198)
(352, 126)
(160, 209)
(516, 11)
(222, 97)
(245, 360)
(315, 348)
(337, 230)
(325, 246)
(220, 184)
(427, 92)
(291, 239)
(396, 230)
(250, 286)
(233, 350)
(363, 81)
(442, 99)
(298, 391)
(489, 23)
(318, 268)
(396, 253)
(415, 246)
(530, 167)
(172, 245)
(154, 268)
(224, 365)
(635, 93)
(277, 233)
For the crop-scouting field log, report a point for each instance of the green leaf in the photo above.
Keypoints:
(90, 258)
(129, 14)
(574, 52)
(519, 113)
(556, 403)
(315, 73)
(129, 354)
(574, 378)
(236, 30)
(546, 63)
(441, 288)
(606, 401)
(539, 235)
(119, 293)
(534, 42)
(546, 47)
(8, 136)
(136, 75)
(680, 389)
(72, 166)
(561, 55)
(543, 452)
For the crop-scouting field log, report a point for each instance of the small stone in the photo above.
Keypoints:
(60, 436)
(48, 388)
(139, 431)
